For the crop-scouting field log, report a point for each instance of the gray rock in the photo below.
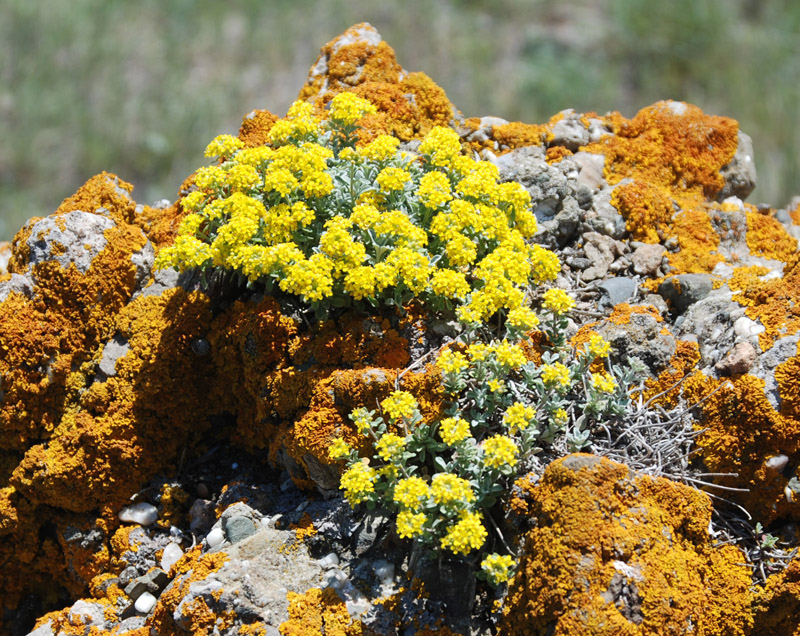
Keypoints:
(617, 290)
(591, 169)
(641, 338)
(201, 516)
(740, 174)
(601, 250)
(143, 261)
(17, 283)
(684, 290)
(45, 629)
(604, 218)
(647, 258)
(238, 528)
(75, 237)
(86, 613)
(570, 131)
(130, 624)
(115, 349)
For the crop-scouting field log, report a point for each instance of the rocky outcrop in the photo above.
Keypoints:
(216, 405)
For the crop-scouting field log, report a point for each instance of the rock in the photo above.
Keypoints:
(172, 553)
(570, 131)
(647, 258)
(72, 238)
(604, 218)
(591, 166)
(601, 251)
(144, 514)
(740, 174)
(617, 290)
(115, 349)
(684, 290)
(239, 521)
(739, 359)
(86, 613)
(641, 336)
(17, 283)
(625, 543)
(145, 603)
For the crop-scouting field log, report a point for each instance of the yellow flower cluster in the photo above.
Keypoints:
(348, 108)
(390, 446)
(603, 382)
(358, 482)
(223, 145)
(447, 488)
(410, 524)
(339, 449)
(453, 430)
(411, 493)
(381, 148)
(518, 417)
(451, 361)
(557, 301)
(400, 404)
(498, 568)
(466, 535)
(598, 346)
(496, 386)
(499, 451)
(434, 190)
(522, 318)
(509, 355)
(555, 374)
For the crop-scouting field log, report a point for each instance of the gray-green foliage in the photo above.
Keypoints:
(138, 88)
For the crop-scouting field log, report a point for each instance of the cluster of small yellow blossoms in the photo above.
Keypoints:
(518, 417)
(557, 301)
(598, 346)
(358, 482)
(400, 404)
(466, 535)
(603, 382)
(556, 374)
(499, 451)
(453, 430)
(320, 218)
(498, 568)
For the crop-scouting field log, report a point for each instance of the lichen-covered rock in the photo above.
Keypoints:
(613, 552)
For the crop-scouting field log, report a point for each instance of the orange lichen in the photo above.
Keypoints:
(621, 314)
(666, 385)
(255, 128)
(303, 528)
(646, 208)
(616, 553)
(698, 243)
(557, 153)
(319, 612)
(741, 431)
(174, 505)
(777, 605)
(767, 237)
(795, 215)
(517, 134)
(106, 191)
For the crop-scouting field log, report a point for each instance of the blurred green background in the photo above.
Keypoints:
(139, 88)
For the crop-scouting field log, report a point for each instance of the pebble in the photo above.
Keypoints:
(745, 328)
(215, 537)
(144, 514)
(170, 556)
(145, 603)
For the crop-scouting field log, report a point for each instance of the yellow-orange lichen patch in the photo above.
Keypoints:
(767, 237)
(670, 144)
(698, 243)
(106, 191)
(255, 128)
(741, 431)
(647, 209)
(621, 314)
(615, 553)
(777, 605)
(787, 375)
(666, 386)
(555, 154)
(516, 134)
(319, 612)
(795, 215)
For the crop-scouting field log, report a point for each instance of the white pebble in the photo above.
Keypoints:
(215, 537)
(330, 560)
(142, 513)
(145, 603)
(744, 327)
(170, 556)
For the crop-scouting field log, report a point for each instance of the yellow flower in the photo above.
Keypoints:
(498, 568)
(190, 224)
(447, 488)
(518, 417)
(390, 446)
(478, 351)
(400, 404)
(509, 355)
(449, 284)
(223, 146)
(299, 122)
(603, 382)
(381, 148)
(348, 108)
(598, 346)
(434, 189)
(364, 215)
(411, 493)
(390, 179)
(410, 524)
(339, 449)
(560, 417)
(451, 361)
(496, 386)
(555, 374)
(499, 451)
(358, 482)
(466, 535)
(522, 318)
(209, 177)
(442, 144)
(281, 180)
(557, 301)
(361, 419)
(545, 265)
(453, 430)
(312, 278)
(193, 201)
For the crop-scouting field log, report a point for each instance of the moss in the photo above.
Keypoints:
(598, 526)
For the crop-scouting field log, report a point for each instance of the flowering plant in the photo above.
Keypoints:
(318, 217)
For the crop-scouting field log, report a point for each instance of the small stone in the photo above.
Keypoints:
(238, 527)
(330, 560)
(592, 165)
(647, 259)
(172, 553)
(746, 328)
(145, 603)
(739, 359)
(215, 537)
(684, 290)
(201, 347)
(617, 290)
(776, 463)
(201, 490)
(144, 514)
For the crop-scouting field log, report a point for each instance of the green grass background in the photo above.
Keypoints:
(139, 87)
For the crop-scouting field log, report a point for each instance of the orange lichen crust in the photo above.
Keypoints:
(773, 303)
(255, 128)
(517, 134)
(742, 431)
(319, 612)
(777, 605)
(767, 237)
(616, 553)
(646, 208)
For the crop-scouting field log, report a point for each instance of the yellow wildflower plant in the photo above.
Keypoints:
(453, 430)
(466, 535)
(399, 405)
